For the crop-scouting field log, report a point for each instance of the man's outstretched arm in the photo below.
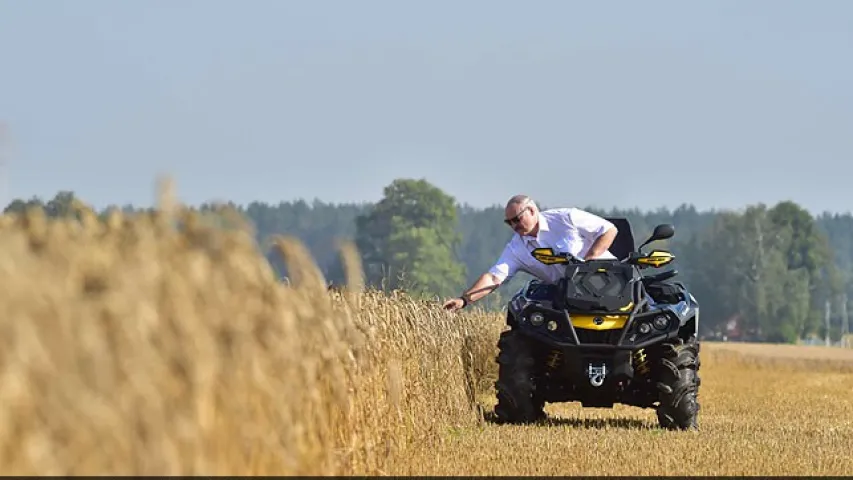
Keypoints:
(486, 284)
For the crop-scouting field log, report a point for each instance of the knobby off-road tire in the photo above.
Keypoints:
(678, 384)
(516, 387)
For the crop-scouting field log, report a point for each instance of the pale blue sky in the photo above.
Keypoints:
(568, 101)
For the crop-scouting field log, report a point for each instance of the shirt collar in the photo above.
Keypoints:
(543, 227)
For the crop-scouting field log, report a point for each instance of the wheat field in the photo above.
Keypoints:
(134, 347)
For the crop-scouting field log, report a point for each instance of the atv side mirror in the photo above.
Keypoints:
(661, 232)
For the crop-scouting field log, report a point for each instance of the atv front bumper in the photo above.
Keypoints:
(555, 328)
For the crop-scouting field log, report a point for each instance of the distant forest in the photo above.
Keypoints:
(763, 273)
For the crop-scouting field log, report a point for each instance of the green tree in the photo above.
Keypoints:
(409, 238)
(773, 268)
(807, 247)
(19, 206)
(423, 263)
(62, 204)
(808, 252)
(761, 266)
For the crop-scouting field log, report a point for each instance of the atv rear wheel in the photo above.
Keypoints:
(516, 386)
(678, 384)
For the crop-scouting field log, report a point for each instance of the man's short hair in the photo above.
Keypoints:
(520, 200)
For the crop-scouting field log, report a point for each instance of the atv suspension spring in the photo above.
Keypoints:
(642, 364)
(554, 358)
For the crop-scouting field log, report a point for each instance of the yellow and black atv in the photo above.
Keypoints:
(605, 334)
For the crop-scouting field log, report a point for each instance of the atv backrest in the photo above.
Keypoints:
(623, 244)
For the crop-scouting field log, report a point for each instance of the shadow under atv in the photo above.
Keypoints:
(587, 423)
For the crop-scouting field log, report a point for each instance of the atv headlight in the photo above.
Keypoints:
(645, 328)
(661, 322)
(536, 318)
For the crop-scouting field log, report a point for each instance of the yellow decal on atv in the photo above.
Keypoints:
(546, 256)
(627, 307)
(656, 258)
(599, 322)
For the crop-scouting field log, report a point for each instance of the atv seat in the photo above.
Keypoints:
(623, 244)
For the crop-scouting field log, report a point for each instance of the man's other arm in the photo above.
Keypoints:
(593, 226)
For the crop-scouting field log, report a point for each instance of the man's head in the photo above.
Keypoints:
(522, 215)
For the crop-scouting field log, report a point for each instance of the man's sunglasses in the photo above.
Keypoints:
(512, 221)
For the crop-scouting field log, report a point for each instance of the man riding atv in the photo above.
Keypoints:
(593, 327)
(584, 235)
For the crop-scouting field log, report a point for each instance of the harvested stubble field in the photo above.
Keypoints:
(132, 348)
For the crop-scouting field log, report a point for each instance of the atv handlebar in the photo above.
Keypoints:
(570, 257)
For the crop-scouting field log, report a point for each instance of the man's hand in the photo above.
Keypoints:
(454, 304)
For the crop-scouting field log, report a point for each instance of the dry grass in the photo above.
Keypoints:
(129, 348)
(760, 415)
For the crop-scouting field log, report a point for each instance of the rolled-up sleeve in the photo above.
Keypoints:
(589, 225)
(506, 266)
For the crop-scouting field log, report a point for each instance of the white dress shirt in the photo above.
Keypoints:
(565, 230)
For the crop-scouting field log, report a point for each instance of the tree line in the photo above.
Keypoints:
(763, 273)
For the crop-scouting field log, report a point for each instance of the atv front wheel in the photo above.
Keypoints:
(678, 384)
(516, 387)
